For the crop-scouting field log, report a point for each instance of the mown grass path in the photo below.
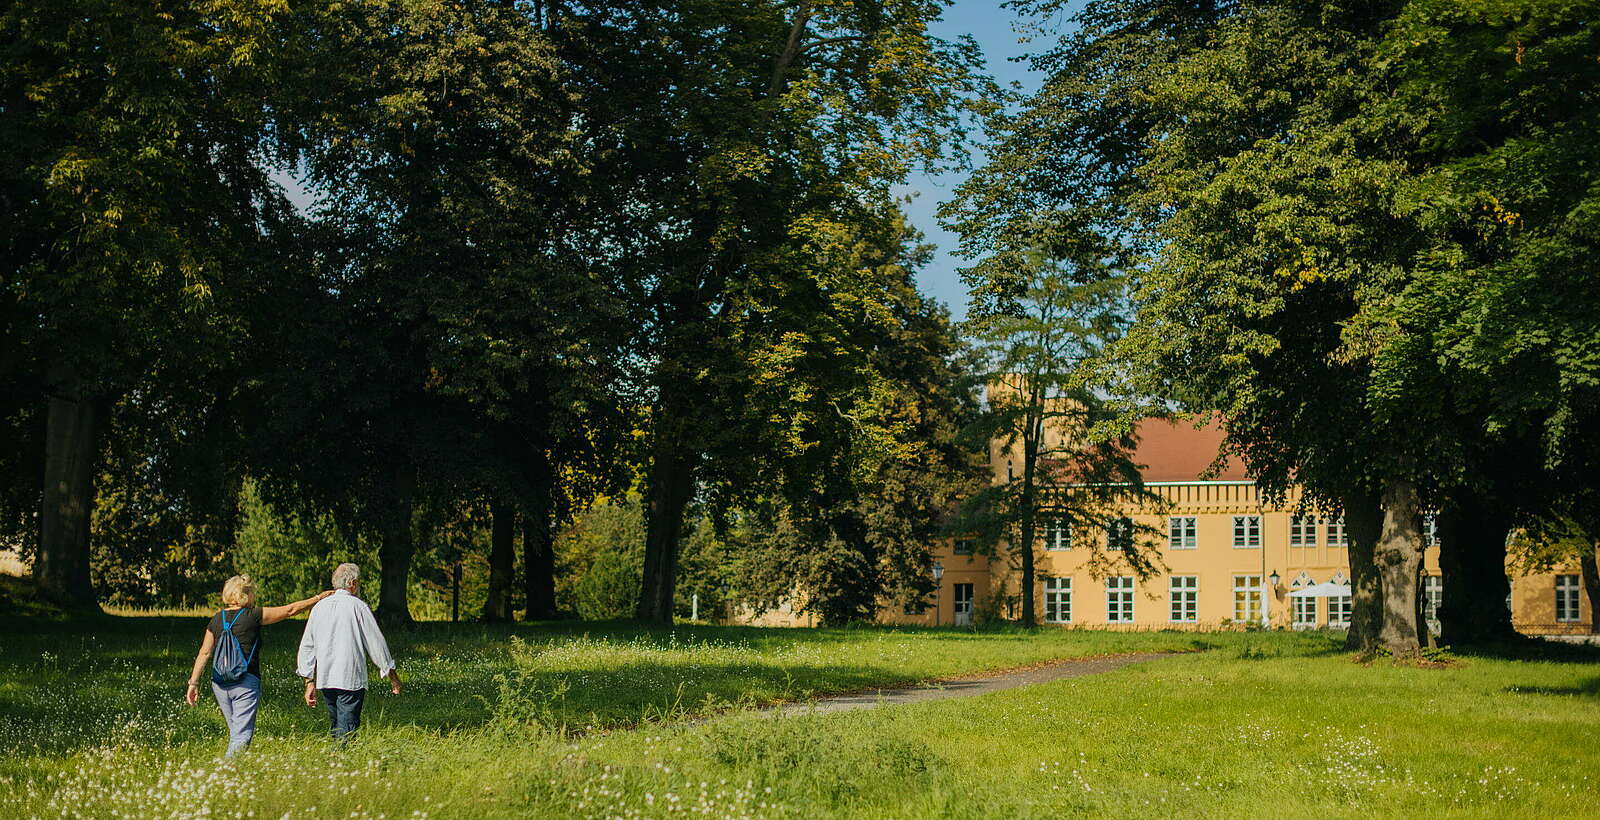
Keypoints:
(968, 686)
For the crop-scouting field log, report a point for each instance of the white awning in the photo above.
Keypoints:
(1322, 590)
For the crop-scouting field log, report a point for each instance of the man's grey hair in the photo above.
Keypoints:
(344, 575)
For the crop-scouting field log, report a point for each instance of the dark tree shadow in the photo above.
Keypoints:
(1531, 649)
(1588, 688)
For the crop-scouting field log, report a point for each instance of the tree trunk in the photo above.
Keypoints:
(1472, 561)
(72, 449)
(539, 564)
(671, 485)
(396, 550)
(1397, 556)
(1030, 455)
(497, 606)
(1591, 586)
(1363, 522)
(538, 542)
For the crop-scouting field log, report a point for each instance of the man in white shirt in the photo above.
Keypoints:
(341, 636)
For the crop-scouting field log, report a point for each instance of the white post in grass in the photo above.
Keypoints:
(694, 607)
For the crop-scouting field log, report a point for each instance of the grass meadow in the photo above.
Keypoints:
(616, 720)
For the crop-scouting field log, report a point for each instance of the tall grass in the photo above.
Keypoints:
(586, 721)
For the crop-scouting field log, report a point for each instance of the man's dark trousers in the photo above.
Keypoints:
(344, 709)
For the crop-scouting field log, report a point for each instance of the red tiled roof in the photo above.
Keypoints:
(1177, 451)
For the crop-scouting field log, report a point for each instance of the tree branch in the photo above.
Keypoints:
(828, 41)
(791, 49)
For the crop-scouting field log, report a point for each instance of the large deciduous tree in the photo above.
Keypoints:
(135, 201)
(434, 136)
(1036, 347)
(1362, 227)
(1228, 147)
(722, 136)
(1505, 189)
(863, 384)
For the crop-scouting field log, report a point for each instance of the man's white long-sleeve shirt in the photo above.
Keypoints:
(341, 636)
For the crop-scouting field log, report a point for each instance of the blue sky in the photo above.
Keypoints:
(991, 26)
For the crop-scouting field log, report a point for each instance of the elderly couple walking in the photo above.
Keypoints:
(341, 636)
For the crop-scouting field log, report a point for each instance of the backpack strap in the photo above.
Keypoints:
(228, 627)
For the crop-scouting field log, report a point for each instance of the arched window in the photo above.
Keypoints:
(1339, 606)
(1305, 607)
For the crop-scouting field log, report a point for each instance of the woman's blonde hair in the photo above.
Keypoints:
(239, 591)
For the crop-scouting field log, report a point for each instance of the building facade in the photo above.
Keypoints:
(1229, 558)
(1226, 558)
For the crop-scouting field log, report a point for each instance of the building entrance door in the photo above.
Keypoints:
(963, 604)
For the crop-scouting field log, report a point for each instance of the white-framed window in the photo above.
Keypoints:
(1119, 534)
(1057, 533)
(1567, 598)
(963, 546)
(1430, 530)
(1339, 610)
(1119, 599)
(1183, 532)
(1305, 608)
(1432, 596)
(1305, 613)
(1058, 600)
(1246, 531)
(963, 604)
(1247, 598)
(1337, 537)
(1184, 594)
(1303, 531)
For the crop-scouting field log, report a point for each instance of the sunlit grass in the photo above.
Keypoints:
(588, 720)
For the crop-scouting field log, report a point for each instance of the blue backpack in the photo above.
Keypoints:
(229, 663)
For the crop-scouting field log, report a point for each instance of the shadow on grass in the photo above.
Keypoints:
(1588, 688)
(1532, 649)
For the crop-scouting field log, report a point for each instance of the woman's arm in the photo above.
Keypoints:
(191, 692)
(274, 614)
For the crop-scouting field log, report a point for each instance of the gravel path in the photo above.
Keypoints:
(969, 686)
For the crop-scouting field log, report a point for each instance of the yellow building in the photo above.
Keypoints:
(1229, 558)
(1551, 603)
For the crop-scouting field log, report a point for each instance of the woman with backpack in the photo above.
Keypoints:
(232, 642)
